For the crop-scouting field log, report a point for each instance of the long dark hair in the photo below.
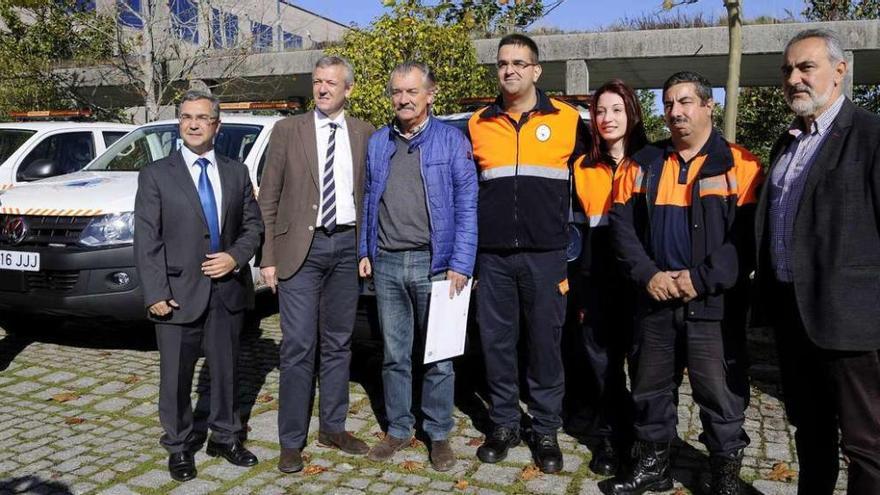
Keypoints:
(634, 138)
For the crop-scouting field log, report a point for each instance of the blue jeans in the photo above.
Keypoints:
(403, 289)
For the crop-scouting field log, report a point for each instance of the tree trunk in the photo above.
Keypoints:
(731, 97)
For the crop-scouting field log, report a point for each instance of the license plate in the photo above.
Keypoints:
(20, 260)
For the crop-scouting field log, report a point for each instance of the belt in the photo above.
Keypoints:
(339, 229)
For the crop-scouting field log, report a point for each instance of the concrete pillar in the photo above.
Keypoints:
(848, 80)
(577, 77)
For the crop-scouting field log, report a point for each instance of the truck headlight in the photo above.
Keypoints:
(109, 230)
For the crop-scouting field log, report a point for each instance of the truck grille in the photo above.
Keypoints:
(53, 280)
(43, 230)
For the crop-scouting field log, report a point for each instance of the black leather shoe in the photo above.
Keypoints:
(233, 452)
(725, 473)
(182, 466)
(548, 457)
(495, 448)
(195, 441)
(649, 473)
(605, 460)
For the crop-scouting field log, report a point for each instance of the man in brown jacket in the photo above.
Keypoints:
(311, 197)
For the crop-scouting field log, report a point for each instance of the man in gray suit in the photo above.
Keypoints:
(196, 226)
(311, 196)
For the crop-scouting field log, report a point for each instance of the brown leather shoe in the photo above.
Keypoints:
(385, 449)
(442, 456)
(291, 461)
(343, 441)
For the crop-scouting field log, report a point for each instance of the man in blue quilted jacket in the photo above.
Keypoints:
(419, 225)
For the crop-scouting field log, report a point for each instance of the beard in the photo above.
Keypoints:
(808, 107)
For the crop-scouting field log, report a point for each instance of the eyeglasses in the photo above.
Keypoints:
(518, 65)
(200, 119)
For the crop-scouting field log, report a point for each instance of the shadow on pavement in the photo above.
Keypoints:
(33, 484)
(83, 333)
(11, 346)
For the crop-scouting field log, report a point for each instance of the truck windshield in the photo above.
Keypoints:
(150, 143)
(11, 140)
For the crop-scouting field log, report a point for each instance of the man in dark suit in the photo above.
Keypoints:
(818, 239)
(196, 226)
(311, 196)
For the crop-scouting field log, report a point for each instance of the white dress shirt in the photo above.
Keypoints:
(189, 157)
(342, 167)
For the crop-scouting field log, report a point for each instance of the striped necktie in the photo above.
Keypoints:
(328, 185)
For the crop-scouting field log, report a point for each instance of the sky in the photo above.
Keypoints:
(571, 15)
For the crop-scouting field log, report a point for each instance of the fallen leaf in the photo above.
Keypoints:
(74, 421)
(265, 398)
(247, 428)
(475, 442)
(105, 353)
(461, 484)
(781, 472)
(306, 457)
(65, 396)
(313, 469)
(353, 411)
(411, 466)
(378, 434)
(132, 379)
(414, 443)
(530, 472)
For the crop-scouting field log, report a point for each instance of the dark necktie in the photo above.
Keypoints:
(209, 204)
(328, 185)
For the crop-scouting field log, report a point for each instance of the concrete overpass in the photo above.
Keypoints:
(573, 63)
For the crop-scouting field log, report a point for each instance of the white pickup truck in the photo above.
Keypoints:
(36, 150)
(66, 242)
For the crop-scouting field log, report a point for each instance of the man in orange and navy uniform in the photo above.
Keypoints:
(524, 145)
(681, 224)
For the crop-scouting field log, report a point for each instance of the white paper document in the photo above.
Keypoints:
(447, 322)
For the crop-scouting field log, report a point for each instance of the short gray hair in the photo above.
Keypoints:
(197, 94)
(331, 60)
(403, 68)
(832, 43)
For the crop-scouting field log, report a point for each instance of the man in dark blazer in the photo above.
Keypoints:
(311, 196)
(196, 226)
(818, 240)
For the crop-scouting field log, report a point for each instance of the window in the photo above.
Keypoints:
(111, 137)
(224, 29)
(129, 13)
(185, 19)
(68, 152)
(262, 36)
(11, 140)
(292, 41)
(148, 144)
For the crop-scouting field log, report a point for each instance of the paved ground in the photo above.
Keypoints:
(78, 415)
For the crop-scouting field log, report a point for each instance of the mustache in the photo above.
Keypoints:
(679, 120)
(797, 88)
(406, 106)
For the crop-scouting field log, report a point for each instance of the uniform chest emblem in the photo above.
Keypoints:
(542, 132)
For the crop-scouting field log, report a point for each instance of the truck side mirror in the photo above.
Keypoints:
(38, 169)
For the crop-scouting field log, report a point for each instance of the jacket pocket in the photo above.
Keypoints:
(281, 229)
(173, 271)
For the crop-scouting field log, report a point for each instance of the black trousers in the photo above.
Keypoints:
(318, 306)
(216, 336)
(826, 390)
(716, 368)
(527, 282)
(607, 331)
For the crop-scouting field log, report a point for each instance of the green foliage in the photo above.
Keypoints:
(35, 41)
(763, 117)
(655, 128)
(483, 17)
(411, 32)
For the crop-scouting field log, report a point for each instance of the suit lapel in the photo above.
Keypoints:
(225, 173)
(828, 156)
(308, 138)
(356, 142)
(184, 181)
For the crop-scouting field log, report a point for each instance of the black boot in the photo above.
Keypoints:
(725, 473)
(605, 460)
(548, 456)
(650, 471)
